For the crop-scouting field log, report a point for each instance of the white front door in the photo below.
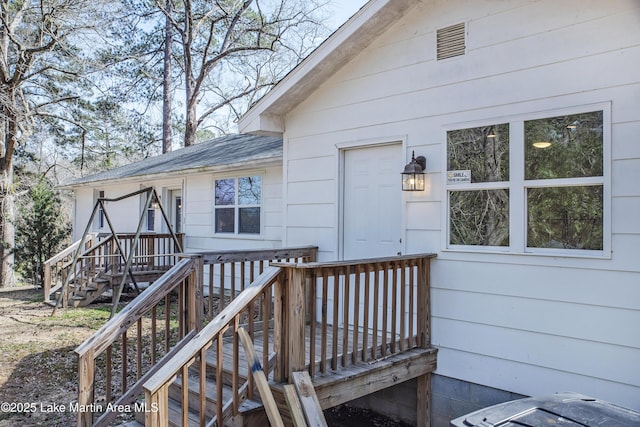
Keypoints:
(372, 202)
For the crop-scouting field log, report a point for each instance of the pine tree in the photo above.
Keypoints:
(41, 231)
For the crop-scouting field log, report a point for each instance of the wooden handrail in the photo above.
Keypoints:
(68, 251)
(51, 262)
(104, 336)
(96, 259)
(157, 388)
(214, 328)
(216, 257)
(352, 263)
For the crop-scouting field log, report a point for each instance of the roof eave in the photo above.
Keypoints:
(267, 115)
(235, 167)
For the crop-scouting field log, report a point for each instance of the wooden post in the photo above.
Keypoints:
(279, 328)
(46, 286)
(86, 377)
(424, 335)
(424, 401)
(424, 341)
(297, 319)
(194, 295)
(157, 408)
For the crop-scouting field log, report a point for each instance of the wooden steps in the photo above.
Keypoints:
(246, 408)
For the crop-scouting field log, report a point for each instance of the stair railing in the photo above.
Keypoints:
(101, 255)
(56, 266)
(189, 366)
(145, 334)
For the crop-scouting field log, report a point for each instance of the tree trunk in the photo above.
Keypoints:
(166, 83)
(191, 120)
(7, 205)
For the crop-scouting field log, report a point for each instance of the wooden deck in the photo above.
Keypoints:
(355, 327)
(333, 387)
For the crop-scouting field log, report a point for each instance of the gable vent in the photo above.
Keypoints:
(450, 41)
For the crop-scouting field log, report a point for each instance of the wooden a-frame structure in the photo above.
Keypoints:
(152, 197)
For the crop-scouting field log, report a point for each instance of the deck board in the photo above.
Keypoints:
(259, 346)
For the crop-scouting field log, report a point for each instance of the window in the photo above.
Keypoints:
(99, 223)
(528, 185)
(151, 218)
(237, 205)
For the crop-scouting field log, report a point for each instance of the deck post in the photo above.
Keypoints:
(423, 304)
(424, 401)
(280, 327)
(157, 409)
(86, 375)
(424, 340)
(194, 295)
(296, 315)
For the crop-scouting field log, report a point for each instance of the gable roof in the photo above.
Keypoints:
(266, 116)
(222, 153)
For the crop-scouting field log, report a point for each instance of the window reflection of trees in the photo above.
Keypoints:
(565, 216)
(249, 196)
(249, 190)
(225, 192)
(479, 217)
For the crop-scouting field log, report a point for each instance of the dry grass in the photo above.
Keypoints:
(38, 365)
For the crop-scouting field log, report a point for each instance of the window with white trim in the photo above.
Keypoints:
(533, 185)
(237, 205)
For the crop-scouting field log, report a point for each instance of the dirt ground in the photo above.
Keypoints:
(38, 365)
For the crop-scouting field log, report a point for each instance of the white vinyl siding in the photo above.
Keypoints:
(568, 320)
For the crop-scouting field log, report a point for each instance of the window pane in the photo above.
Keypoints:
(564, 147)
(479, 217)
(482, 150)
(225, 192)
(151, 219)
(565, 217)
(250, 220)
(249, 190)
(225, 220)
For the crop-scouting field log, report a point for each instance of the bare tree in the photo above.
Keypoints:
(37, 63)
(231, 52)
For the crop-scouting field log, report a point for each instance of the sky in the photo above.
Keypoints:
(344, 9)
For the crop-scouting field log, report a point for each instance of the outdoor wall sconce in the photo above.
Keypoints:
(413, 174)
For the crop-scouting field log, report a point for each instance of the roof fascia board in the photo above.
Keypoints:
(343, 45)
(233, 167)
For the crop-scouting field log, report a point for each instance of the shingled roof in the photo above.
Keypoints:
(216, 154)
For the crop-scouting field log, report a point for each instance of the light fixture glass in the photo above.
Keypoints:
(542, 144)
(413, 174)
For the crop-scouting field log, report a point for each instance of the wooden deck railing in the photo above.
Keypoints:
(102, 256)
(56, 267)
(148, 331)
(225, 275)
(242, 310)
(362, 310)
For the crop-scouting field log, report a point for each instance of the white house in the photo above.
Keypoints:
(222, 194)
(536, 285)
